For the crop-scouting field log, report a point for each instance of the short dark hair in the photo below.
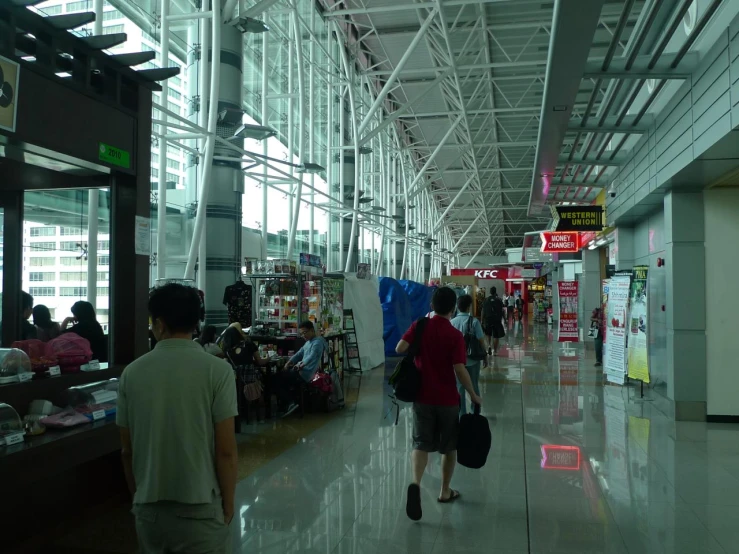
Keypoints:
(26, 301)
(493, 291)
(178, 306)
(443, 300)
(308, 326)
(464, 302)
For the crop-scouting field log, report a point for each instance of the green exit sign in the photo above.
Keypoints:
(114, 156)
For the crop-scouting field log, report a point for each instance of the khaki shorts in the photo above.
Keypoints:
(435, 428)
(169, 527)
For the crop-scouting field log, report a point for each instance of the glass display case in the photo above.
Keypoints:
(11, 426)
(15, 366)
(94, 400)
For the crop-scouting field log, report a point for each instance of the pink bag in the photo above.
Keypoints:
(322, 382)
(71, 350)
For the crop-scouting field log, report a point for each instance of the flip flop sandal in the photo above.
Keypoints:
(413, 502)
(452, 497)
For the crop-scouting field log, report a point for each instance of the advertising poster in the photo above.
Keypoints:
(638, 316)
(616, 314)
(568, 331)
(604, 304)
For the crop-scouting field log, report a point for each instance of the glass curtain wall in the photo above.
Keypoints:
(335, 98)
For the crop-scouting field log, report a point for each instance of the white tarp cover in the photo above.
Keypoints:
(362, 296)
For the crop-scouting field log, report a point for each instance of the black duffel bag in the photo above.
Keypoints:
(474, 441)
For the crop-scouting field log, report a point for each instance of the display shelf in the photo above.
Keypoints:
(19, 395)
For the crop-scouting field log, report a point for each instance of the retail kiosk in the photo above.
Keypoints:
(81, 120)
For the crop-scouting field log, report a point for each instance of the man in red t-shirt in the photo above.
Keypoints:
(441, 361)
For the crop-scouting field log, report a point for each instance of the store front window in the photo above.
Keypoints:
(58, 266)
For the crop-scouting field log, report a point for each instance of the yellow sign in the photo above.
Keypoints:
(9, 74)
(638, 328)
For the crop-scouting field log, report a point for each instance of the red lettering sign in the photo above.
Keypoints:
(489, 273)
(557, 242)
(555, 456)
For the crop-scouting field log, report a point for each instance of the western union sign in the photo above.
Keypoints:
(580, 218)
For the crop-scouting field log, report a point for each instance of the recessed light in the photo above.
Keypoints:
(559, 108)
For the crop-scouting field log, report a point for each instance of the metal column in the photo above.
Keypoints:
(224, 203)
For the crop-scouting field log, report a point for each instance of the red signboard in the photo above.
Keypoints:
(568, 297)
(558, 242)
(489, 273)
(555, 456)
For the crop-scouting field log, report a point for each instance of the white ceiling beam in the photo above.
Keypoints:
(408, 7)
(463, 67)
(390, 83)
(400, 111)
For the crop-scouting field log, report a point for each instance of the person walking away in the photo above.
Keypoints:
(46, 329)
(441, 357)
(492, 320)
(598, 321)
(301, 368)
(176, 409)
(466, 324)
(519, 308)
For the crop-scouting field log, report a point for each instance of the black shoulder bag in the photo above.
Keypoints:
(406, 379)
(475, 350)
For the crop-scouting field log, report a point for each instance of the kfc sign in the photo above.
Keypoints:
(501, 273)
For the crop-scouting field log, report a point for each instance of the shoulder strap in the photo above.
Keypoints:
(416, 346)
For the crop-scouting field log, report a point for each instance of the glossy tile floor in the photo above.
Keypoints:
(616, 476)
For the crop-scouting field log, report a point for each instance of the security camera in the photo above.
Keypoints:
(612, 190)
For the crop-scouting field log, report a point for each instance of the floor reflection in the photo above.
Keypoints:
(577, 466)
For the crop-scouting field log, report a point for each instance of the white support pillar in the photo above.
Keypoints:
(301, 128)
(207, 162)
(311, 130)
(93, 200)
(265, 147)
(162, 180)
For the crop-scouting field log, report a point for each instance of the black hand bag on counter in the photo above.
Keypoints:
(474, 441)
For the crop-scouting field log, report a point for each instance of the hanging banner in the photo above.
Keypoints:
(615, 350)
(568, 331)
(638, 321)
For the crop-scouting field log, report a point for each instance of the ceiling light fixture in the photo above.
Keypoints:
(249, 25)
(308, 167)
(256, 132)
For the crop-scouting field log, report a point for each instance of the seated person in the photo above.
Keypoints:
(27, 330)
(86, 326)
(301, 368)
(46, 328)
(208, 341)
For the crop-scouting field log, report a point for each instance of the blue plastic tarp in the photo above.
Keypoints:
(419, 295)
(396, 313)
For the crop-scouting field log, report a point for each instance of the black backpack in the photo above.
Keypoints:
(474, 440)
(406, 379)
